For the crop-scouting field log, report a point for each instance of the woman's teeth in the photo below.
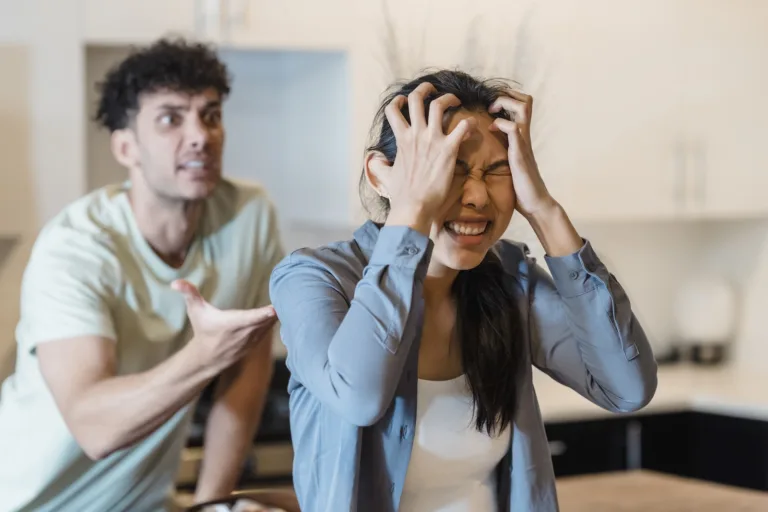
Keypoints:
(473, 228)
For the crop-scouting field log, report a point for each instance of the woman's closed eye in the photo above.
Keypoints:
(494, 170)
(500, 168)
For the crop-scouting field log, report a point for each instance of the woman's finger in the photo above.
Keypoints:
(518, 109)
(461, 132)
(520, 96)
(393, 113)
(514, 134)
(416, 104)
(437, 110)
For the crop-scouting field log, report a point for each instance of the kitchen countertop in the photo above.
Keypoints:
(636, 491)
(724, 390)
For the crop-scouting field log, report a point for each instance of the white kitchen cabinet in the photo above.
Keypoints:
(607, 112)
(288, 24)
(143, 21)
(252, 24)
(651, 110)
(726, 107)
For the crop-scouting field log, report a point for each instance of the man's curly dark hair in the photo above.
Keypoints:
(171, 64)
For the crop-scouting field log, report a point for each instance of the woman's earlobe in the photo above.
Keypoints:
(377, 169)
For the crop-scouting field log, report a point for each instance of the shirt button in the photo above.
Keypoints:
(392, 488)
(404, 432)
(573, 275)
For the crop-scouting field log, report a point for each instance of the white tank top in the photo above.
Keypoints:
(452, 467)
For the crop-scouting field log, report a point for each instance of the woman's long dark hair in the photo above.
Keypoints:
(488, 320)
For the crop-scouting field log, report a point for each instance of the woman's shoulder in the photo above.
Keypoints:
(336, 262)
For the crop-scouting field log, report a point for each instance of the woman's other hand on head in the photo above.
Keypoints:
(530, 190)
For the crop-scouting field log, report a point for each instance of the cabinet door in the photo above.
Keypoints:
(726, 106)
(141, 21)
(710, 447)
(585, 447)
(606, 77)
(288, 24)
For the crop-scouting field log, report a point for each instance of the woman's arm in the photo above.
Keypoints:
(585, 335)
(350, 354)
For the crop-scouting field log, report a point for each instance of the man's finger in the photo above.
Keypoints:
(191, 294)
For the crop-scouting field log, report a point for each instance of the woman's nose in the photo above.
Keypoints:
(475, 193)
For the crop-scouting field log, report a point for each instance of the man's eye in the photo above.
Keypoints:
(169, 120)
(212, 118)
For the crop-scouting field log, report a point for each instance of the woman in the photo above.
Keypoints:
(411, 345)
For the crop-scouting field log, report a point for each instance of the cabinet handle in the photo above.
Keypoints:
(557, 448)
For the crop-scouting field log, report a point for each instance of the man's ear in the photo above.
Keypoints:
(377, 170)
(125, 147)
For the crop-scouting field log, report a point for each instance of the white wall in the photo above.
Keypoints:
(17, 205)
(739, 251)
(287, 127)
(15, 21)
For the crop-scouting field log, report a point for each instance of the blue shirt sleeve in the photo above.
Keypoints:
(584, 333)
(350, 354)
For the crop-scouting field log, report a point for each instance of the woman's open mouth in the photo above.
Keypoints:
(468, 232)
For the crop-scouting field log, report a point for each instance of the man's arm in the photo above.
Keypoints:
(233, 420)
(106, 413)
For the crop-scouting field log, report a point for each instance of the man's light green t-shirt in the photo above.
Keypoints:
(92, 273)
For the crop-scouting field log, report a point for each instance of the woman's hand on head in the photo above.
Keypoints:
(418, 182)
(531, 192)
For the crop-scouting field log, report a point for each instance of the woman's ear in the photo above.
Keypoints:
(377, 169)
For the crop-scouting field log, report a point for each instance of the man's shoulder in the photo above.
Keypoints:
(85, 231)
(238, 193)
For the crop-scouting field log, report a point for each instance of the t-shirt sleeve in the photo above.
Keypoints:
(64, 291)
(271, 252)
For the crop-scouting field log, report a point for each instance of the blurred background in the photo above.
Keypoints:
(650, 127)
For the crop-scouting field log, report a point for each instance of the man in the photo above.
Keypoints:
(114, 341)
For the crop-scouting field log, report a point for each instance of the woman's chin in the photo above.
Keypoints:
(462, 259)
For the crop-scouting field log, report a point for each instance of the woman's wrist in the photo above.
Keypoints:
(555, 231)
(414, 217)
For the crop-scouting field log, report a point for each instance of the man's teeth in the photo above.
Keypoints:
(474, 228)
(194, 164)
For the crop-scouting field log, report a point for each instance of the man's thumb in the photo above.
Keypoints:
(260, 315)
(191, 294)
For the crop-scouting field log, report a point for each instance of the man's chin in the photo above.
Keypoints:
(200, 190)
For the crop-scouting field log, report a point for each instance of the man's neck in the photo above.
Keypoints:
(168, 226)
